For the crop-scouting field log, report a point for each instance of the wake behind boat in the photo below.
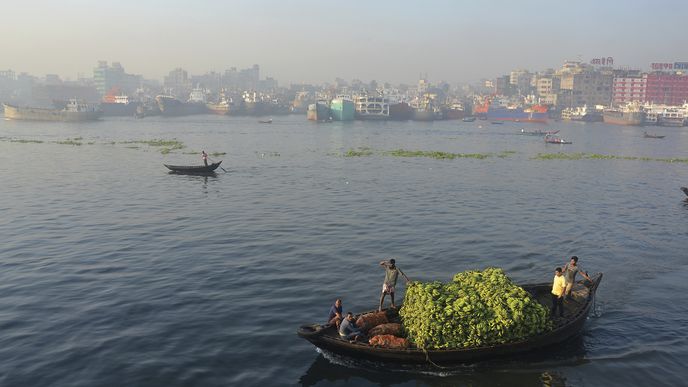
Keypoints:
(576, 312)
(685, 190)
(193, 169)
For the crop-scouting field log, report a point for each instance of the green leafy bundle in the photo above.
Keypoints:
(478, 308)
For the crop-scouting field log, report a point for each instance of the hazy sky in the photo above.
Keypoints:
(315, 41)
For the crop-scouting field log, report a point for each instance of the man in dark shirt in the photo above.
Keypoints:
(570, 270)
(391, 274)
(348, 329)
(335, 316)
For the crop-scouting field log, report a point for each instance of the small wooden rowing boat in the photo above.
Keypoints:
(265, 121)
(193, 169)
(648, 135)
(576, 312)
(551, 139)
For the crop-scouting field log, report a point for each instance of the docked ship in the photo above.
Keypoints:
(535, 113)
(171, 106)
(630, 114)
(400, 111)
(74, 111)
(319, 111)
(581, 114)
(253, 104)
(454, 111)
(342, 108)
(372, 108)
(222, 106)
(117, 104)
(672, 116)
(425, 109)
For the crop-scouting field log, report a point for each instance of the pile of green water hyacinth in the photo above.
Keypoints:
(478, 308)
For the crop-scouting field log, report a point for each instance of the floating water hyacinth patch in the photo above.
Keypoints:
(216, 154)
(595, 156)
(360, 152)
(166, 145)
(436, 154)
(70, 141)
(22, 141)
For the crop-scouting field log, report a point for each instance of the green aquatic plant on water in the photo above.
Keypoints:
(436, 154)
(69, 141)
(360, 152)
(166, 145)
(217, 154)
(596, 156)
(22, 141)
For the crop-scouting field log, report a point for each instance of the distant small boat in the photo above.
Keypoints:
(469, 119)
(685, 190)
(265, 121)
(497, 123)
(551, 139)
(648, 135)
(193, 169)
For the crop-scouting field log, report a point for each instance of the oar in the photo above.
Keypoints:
(213, 161)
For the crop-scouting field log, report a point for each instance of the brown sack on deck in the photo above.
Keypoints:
(389, 341)
(371, 320)
(393, 329)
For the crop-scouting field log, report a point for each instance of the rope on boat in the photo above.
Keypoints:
(427, 357)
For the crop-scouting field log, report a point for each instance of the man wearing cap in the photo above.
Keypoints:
(391, 274)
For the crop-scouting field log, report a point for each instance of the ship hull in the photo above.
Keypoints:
(400, 111)
(454, 114)
(41, 114)
(623, 118)
(318, 112)
(517, 114)
(171, 107)
(424, 115)
(342, 110)
(118, 109)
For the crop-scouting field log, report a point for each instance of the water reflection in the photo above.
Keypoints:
(533, 369)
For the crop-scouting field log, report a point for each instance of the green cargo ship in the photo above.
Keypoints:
(342, 109)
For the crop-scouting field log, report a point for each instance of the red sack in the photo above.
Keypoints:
(371, 320)
(393, 329)
(389, 341)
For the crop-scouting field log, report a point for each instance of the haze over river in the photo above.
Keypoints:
(115, 273)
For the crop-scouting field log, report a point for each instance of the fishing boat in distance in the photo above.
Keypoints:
(193, 169)
(268, 121)
(552, 139)
(576, 313)
(538, 132)
(469, 119)
(648, 135)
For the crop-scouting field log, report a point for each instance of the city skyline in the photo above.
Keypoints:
(308, 42)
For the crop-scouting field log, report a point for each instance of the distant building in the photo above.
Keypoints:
(521, 81)
(667, 89)
(178, 83)
(107, 77)
(503, 86)
(547, 88)
(583, 84)
(628, 86)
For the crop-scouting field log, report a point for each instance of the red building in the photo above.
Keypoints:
(668, 89)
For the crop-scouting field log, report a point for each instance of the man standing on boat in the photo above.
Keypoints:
(391, 274)
(558, 289)
(570, 270)
(204, 156)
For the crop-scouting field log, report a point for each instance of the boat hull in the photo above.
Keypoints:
(193, 169)
(516, 114)
(572, 327)
(623, 118)
(41, 114)
(342, 110)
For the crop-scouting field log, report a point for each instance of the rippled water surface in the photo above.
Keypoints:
(114, 272)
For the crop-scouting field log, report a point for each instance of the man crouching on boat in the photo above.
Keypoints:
(348, 329)
(391, 274)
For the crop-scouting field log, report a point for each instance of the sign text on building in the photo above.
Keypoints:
(669, 66)
(608, 61)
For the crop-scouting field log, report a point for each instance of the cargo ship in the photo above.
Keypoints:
(171, 106)
(400, 111)
(581, 114)
(672, 116)
(118, 105)
(222, 106)
(630, 114)
(342, 108)
(372, 108)
(319, 111)
(455, 111)
(535, 113)
(74, 111)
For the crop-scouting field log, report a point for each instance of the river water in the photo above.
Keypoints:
(115, 273)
